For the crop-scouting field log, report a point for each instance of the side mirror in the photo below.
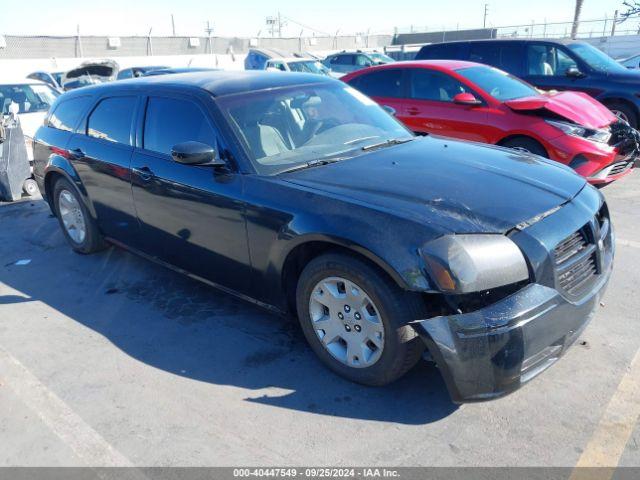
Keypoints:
(390, 110)
(466, 98)
(195, 153)
(573, 72)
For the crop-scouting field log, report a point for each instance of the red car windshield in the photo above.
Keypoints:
(500, 85)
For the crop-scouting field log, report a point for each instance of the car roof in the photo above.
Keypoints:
(447, 65)
(510, 40)
(218, 83)
(292, 59)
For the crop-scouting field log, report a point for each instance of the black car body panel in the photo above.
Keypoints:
(511, 56)
(246, 232)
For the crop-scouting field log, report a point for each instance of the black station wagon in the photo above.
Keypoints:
(300, 194)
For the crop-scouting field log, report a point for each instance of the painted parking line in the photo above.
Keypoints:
(614, 428)
(90, 447)
(628, 243)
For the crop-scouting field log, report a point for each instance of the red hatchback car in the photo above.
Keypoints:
(471, 101)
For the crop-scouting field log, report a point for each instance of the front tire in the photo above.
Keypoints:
(624, 112)
(79, 228)
(355, 319)
(525, 144)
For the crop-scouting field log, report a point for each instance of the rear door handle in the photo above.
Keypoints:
(76, 153)
(413, 111)
(144, 173)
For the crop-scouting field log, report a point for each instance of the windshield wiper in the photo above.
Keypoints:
(387, 143)
(311, 164)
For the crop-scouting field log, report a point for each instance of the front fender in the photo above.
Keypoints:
(59, 165)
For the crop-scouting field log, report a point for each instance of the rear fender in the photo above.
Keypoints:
(60, 165)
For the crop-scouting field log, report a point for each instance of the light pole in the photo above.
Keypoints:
(486, 12)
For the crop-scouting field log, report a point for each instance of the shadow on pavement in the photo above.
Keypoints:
(181, 326)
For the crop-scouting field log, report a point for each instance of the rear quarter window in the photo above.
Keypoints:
(66, 115)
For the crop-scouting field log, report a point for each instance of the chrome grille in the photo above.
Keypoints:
(576, 262)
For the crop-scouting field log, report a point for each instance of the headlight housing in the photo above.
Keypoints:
(600, 135)
(474, 263)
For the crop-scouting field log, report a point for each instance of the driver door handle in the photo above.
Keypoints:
(413, 111)
(144, 173)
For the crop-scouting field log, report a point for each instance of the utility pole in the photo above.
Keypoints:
(486, 12)
(173, 25)
(209, 31)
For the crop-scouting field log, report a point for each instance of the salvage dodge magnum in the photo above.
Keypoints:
(301, 194)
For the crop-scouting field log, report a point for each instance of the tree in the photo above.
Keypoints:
(576, 18)
(633, 8)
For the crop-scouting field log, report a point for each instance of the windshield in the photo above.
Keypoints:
(500, 85)
(287, 127)
(29, 98)
(381, 58)
(310, 66)
(595, 58)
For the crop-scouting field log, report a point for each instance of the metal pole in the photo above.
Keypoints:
(613, 27)
(279, 26)
(604, 29)
(484, 21)
(78, 42)
(173, 25)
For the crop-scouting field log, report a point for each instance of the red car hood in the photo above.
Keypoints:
(577, 107)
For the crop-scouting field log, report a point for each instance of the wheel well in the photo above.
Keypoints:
(609, 101)
(300, 257)
(49, 181)
(515, 137)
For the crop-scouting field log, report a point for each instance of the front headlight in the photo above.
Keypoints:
(474, 263)
(601, 135)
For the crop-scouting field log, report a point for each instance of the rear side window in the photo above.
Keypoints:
(111, 120)
(67, 114)
(381, 83)
(503, 56)
(442, 51)
(170, 121)
(343, 60)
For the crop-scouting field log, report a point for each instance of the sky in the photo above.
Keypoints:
(246, 18)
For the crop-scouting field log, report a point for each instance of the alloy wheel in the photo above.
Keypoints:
(72, 216)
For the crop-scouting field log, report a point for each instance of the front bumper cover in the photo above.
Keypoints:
(491, 352)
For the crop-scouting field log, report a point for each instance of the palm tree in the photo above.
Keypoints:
(576, 18)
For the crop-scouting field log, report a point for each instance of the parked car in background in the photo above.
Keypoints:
(471, 101)
(294, 64)
(257, 57)
(135, 72)
(53, 79)
(301, 194)
(632, 63)
(30, 100)
(170, 71)
(346, 62)
(553, 65)
(90, 73)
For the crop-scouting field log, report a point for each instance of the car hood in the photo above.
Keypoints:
(577, 107)
(456, 186)
(98, 71)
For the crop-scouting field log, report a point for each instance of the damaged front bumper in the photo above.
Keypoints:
(491, 352)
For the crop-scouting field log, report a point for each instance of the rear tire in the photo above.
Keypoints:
(372, 322)
(527, 145)
(79, 228)
(624, 112)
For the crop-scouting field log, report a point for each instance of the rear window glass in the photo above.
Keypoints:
(68, 112)
(170, 121)
(111, 120)
(381, 83)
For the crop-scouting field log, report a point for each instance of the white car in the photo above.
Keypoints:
(295, 64)
(632, 63)
(30, 101)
